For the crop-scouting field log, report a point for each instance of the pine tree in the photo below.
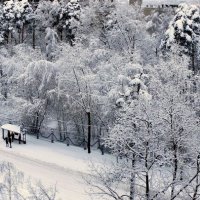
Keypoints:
(184, 31)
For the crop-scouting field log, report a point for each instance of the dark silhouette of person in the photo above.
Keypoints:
(6, 139)
(10, 141)
(19, 138)
(13, 136)
(8, 134)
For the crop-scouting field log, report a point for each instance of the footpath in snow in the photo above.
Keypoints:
(54, 163)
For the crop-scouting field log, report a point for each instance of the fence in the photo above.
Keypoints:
(76, 141)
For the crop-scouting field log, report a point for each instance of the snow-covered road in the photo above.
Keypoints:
(69, 183)
(53, 164)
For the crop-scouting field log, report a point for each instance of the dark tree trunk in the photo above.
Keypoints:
(1, 72)
(132, 184)
(61, 35)
(5, 91)
(195, 195)
(19, 36)
(89, 132)
(36, 125)
(175, 162)
(8, 38)
(60, 129)
(33, 35)
(147, 173)
(23, 28)
(59, 120)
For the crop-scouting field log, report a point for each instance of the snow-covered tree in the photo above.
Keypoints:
(157, 24)
(12, 180)
(178, 120)
(38, 82)
(156, 133)
(23, 16)
(137, 141)
(79, 85)
(184, 31)
(9, 17)
(1, 25)
(16, 15)
(47, 13)
(96, 20)
(133, 85)
(69, 18)
(61, 16)
(51, 39)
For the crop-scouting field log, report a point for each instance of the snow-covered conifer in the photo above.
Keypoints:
(16, 15)
(68, 20)
(183, 29)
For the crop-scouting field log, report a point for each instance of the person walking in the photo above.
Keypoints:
(8, 134)
(19, 138)
(6, 139)
(10, 141)
(12, 136)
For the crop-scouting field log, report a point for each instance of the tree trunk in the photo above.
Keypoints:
(195, 195)
(59, 120)
(147, 172)
(23, 28)
(60, 129)
(89, 132)
(19, 37)
(33, 35)
(36, 125)
(175, 162)
(7, 39)
(64, 121)
(132, 184)
(61, 34)
(5, 90)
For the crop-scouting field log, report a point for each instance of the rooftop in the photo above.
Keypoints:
(168, 2)
(11, 127)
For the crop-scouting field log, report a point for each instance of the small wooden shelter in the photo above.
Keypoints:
(15, 129)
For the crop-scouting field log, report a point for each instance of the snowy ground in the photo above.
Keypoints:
(54, 164)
